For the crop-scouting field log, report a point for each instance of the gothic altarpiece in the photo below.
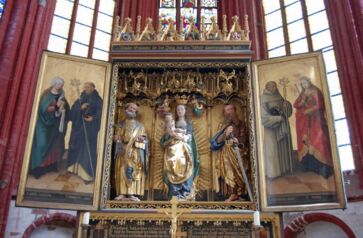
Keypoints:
(183, 145)
(158, 71)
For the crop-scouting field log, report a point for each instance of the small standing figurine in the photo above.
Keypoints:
(148, 34)
(192, 32)
(165, 106)
(127, 34)
(189, 83)
(214, 32)
(236, 32)
(169, 33)
(197, 107)
(117, 30)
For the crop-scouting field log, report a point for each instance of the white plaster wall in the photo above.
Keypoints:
(59, 232)
(20, 218)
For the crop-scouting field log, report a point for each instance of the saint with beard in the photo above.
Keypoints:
(131, 156)
(229, 180)
(275, 113)
(85, 115)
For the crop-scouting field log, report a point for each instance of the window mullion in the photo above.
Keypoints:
(93, 29)
(71, 27)
(178, 14)
(284, 27)
(307, 26)
(199, 13)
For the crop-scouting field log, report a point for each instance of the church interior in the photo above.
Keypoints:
(181, 118)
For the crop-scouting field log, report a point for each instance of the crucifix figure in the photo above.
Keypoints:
(284, 82)
(173, 213)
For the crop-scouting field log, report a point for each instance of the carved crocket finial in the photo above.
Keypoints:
(224, 29)
(236, 32)
(235, 27)
(127, 33)
(138, 26)
(169, 33)
(127, 26)
(192, 32)
(214, 31)
(148, 33)
(117, 29)
(246, 29)
(160, 25)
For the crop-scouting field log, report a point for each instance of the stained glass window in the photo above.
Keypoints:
(167, 3)
(188, 3)
(290, 30)
(76, 33)
(2, 5)
(207, 13)
(186, 14)
(185, 9)
(209, 3)
(165, 14)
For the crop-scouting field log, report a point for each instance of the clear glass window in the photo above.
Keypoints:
(72, 30)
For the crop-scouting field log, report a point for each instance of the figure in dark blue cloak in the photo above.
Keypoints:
(86, 120)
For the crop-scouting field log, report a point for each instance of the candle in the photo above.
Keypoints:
(256, 218)
(85, 220)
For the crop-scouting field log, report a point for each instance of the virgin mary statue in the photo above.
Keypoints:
(181, 159)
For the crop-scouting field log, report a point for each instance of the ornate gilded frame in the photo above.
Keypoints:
(271, 223)
(299, 189)
(66, 194)
(176, 63)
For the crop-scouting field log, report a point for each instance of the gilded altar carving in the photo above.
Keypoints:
(158, 87)
(214, 33)
(157, 224)
(192, 33)
(148, 34)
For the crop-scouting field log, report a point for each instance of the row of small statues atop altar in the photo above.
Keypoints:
(169, 33)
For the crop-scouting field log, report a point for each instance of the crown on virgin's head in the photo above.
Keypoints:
(183, 99)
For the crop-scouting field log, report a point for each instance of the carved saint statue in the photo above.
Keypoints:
(131, 156)
(229, 178)
(181, 159)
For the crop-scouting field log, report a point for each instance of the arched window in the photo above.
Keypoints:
(181, 11)
(82, 27)
(298, 26)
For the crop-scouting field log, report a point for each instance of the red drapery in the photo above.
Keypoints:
(254, 11)
(24, 33)
(346, 24)
(132, 9)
